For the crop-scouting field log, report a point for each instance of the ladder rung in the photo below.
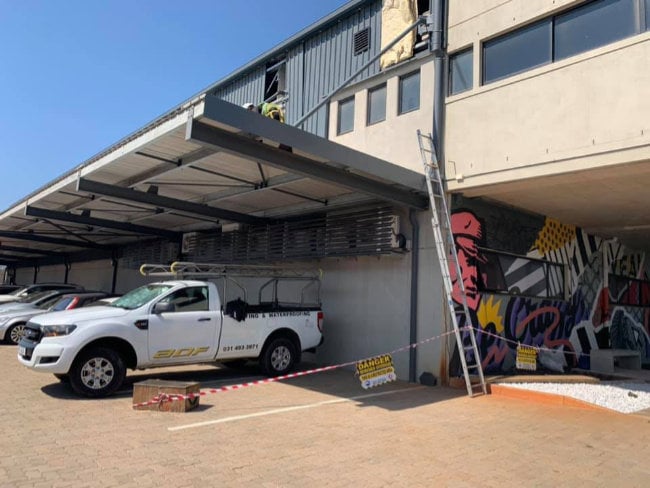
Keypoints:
(446, 249)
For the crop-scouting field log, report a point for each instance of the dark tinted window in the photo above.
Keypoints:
(461, 72)
(516, 52)
(593, 25)
(519, 275)
(377, 104)
(189, 299)
(346, 116)
(409, 92)
(62, 304)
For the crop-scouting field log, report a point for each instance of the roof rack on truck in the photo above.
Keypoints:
(183, 269)
(229, 272)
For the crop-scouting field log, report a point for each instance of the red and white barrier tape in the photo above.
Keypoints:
(165, 397)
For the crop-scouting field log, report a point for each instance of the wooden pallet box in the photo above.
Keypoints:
(145, 391)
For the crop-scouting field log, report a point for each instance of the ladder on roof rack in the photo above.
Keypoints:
(180, 269)
(447, 257)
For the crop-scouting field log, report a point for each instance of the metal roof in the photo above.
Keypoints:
(206, 164)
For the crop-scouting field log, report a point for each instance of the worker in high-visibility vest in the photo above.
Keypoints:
(271, 110)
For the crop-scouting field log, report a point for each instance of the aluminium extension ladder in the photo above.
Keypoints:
(447, 256)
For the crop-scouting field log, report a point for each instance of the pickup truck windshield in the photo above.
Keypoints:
(138, 297)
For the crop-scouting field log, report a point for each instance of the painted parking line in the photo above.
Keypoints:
(289, 409)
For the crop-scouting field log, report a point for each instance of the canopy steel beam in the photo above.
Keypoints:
(27, 250)
(32, 236)
(213, 137)
(105, 223)
(96, 187)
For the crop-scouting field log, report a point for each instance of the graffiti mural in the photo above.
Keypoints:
(556, 295)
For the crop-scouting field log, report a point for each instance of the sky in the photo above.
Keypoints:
(76, 76)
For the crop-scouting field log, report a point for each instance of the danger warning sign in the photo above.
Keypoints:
(526, 358)
(376, 371)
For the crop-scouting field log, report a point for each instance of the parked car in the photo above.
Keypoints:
(35, 299)
(12, 322)
(28, 290)
(4, 289)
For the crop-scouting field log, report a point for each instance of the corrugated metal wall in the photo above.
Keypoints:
(248, 88)
(324, 61)
(315, 67)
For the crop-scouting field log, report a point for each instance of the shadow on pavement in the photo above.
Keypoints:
(339, 383)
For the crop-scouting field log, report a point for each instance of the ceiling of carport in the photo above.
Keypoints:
(202, 166)
(610, 202)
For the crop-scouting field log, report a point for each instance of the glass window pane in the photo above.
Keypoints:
(518, 51)
(593, 25)
(377, 104)
(647, 14)
(461, 72)
(346, 116)
(409, 92)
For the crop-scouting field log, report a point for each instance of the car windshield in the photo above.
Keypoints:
(138, 297)
(35, 296)
(17, 292)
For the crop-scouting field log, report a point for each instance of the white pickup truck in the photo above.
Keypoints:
(166, 324)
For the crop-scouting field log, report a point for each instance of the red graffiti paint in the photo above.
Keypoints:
(468, 233)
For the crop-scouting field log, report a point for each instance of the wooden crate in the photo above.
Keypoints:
(146, 390)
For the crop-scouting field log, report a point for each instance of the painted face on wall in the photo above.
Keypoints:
(468, 233)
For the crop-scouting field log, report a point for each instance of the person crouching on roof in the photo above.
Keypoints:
(271, 110)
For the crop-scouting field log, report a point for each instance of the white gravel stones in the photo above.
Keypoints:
(622, 396)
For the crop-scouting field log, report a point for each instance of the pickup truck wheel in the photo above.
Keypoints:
(279, 357)
(97, 372)
(15, 333)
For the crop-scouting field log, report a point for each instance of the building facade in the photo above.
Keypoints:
(546, 149)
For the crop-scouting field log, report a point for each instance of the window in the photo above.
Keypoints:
(518, 275)
(588, 26)
(593, 25)
(461, 71)
(409, 92)
(518, 51)
(377, 104)
(346, 116)
(624, 290)
(189, 299)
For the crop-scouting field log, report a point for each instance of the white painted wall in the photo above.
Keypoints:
(395, 138)
(93, 275)
(582, 112)
(366, 302)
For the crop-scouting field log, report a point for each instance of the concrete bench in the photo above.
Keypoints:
(605, 360)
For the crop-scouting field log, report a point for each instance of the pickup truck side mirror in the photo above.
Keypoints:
(162, 307)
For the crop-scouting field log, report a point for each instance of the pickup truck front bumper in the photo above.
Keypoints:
(45, 357)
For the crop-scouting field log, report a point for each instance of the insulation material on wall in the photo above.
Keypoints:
(396, 16)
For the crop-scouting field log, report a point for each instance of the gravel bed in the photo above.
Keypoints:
(622, 396)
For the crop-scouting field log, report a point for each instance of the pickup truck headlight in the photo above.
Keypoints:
(57, 330)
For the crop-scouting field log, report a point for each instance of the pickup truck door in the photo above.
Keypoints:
(186, 334)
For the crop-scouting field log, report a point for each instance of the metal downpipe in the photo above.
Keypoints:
(438, 46)
(415, 254)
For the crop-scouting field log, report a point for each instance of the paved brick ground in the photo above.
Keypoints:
(314, 431)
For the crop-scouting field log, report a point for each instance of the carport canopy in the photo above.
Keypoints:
(206, 164)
